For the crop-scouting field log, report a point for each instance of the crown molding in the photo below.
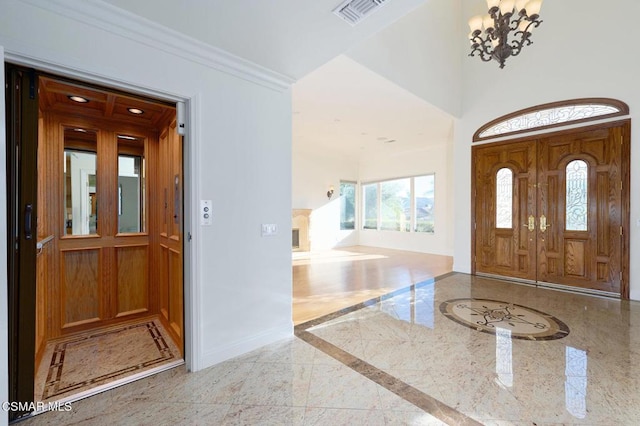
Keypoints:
(141, 30)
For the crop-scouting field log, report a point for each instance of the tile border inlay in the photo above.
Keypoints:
(409, 393)
(55, 372)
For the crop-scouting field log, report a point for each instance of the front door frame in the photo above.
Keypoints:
(626, 192)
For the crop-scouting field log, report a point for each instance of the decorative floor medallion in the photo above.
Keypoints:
(489, 315)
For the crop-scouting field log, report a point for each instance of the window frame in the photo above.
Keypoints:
(412, 196)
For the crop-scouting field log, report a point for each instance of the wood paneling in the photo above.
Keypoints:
(72, 303)
(575, 258)
(170, 235)
(175, 292)
(80, 298)
(578, 251)
(163, 266)
(509, 252)
(107, 278)
(133, 282)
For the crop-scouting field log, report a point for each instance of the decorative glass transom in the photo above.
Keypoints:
(577, 189)
(551, 115)
(504, 198)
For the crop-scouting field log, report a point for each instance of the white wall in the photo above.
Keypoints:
(589, 53)
(313, 174)
(421, 53)
(240, 144)
(435, 159)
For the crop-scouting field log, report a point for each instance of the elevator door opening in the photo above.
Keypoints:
(108, 235)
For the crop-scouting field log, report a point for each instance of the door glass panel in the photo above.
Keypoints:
(131, 185)
(80, 184)
(577, 189)
(504, 198)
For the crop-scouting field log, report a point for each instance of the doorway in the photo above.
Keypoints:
(553, 209)
(107, 236)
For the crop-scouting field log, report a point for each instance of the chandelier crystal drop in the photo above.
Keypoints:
(490, 33)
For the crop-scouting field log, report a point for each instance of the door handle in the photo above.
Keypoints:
(531, 226)
(28, 212)
(543, 223)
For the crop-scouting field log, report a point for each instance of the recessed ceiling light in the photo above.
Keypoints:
(129, 138)
(80, 130)
(78, 99)
(135, 111)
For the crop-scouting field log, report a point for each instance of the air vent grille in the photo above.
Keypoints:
(354, 11)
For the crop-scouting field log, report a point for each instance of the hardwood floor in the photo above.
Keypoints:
(325, 282)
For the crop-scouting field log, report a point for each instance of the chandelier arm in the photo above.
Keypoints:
(516, 24)
(483, 53)
(535, 22)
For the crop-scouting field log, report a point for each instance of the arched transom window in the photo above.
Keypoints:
(551, 115)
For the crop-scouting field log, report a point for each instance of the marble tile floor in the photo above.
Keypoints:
(401, 360)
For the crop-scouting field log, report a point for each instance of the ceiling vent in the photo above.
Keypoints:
(354, 11)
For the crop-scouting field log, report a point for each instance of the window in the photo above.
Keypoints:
(424, 201)
(395, 205)
(347, 205)
(504, 198)
(403, 205)
(551, 115)
(576, 196)
(370, 206)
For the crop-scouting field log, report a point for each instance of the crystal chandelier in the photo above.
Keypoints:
(490, 33)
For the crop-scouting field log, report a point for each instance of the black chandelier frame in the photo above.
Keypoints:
(484, 45)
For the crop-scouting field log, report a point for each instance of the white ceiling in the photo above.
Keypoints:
(292, 37)
(340, 107)
(352, 112)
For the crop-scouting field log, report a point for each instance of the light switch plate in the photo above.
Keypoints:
(206, 213)
(269, 229)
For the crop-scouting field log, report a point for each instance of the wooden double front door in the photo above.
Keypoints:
(554, 209)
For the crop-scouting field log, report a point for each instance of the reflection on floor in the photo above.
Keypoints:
(79, 363)
(401, 360)
(325, 282)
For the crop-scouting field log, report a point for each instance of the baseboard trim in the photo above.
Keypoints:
(241, 347)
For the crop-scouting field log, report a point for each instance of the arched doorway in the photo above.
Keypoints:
(553, 209)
